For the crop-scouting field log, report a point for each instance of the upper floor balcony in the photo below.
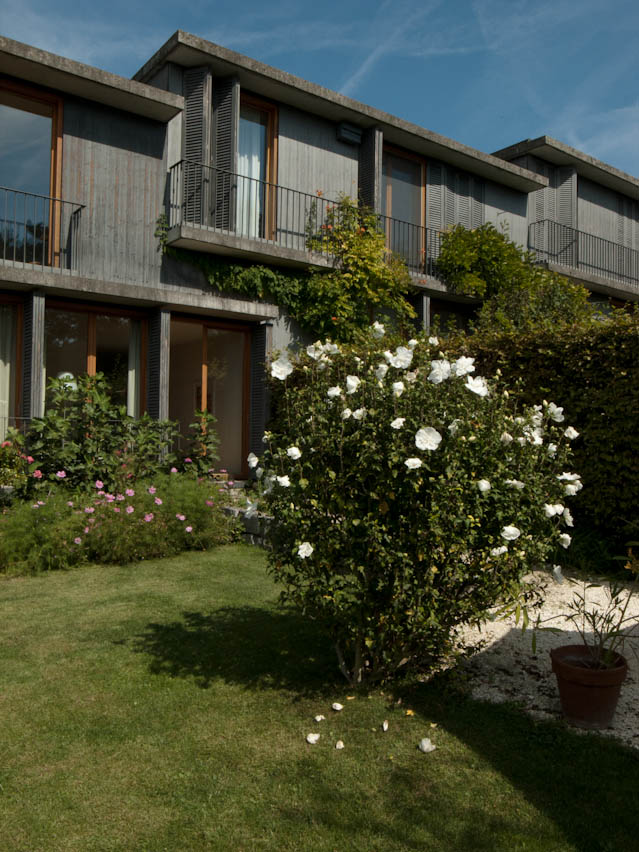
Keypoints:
(584, 255)
(214, 210)
(38, 232)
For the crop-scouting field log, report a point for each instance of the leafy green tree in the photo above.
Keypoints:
(517, 293)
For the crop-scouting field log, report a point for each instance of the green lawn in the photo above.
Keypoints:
(164, 706)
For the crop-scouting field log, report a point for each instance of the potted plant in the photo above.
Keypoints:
(589, 675)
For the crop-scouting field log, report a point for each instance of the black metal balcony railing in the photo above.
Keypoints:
(560, 244)
(39, 231)
(217, 200)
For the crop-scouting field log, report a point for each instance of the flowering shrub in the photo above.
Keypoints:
(159, 518)
(409, 496)
(14, 462)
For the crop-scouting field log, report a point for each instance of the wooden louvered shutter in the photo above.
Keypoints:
(566, 211)
(434, 210)
(259, 396)
(158, 364)
(449, 196)
(370, 169)
(197, 143)
(462, 197)
(33, 357)
(478, 210)
(226, 124)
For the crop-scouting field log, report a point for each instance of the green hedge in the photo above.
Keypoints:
(592, 370)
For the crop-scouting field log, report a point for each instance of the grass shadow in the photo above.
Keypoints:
(249, 646)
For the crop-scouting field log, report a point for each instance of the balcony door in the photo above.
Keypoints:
(256, 169)
(30, 149)
(403, 204)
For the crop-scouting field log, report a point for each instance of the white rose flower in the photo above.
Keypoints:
(439, 371)
(359, 414)
(567, 516)
(571, 433)
(305, 549)
(398, 388)
(331, 393)
(398, 422)
(402, 358)
(514, 483)
(549, 510)
(281, 368)
(572, 488)
(413, 463)
(510, 533)
(483, 485)
(552, 450)
(378, 329)
(346, 413)
(294, 453)
(506, 438)
(462, 366)
(411, 376)
(499, 551)
(381, 371)
(331, 348)
(252, 460)
(555, 412)
(284, 481)
(477, 385)
(564, 540)
(434, 341)
(315, 350)
(412, 343)
(568, 477)
(259, 472)
(427, 438)
(352, 383)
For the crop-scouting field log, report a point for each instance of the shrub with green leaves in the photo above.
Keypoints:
(14, 462)
(409, 496)
(159, 517)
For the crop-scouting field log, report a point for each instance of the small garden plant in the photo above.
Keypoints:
(409, 496)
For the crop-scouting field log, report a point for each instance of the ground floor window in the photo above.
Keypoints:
(81, 341)
(8, 367)
(209, 366)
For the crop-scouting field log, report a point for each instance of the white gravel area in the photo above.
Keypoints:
(507, 670)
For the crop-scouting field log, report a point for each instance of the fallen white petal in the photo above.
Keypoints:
(337, 706)
(385, 725)
(319, 718)
(426, 746)
(339, 744)
(312, 738)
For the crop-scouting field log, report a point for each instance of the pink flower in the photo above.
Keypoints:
(116, 508)
(152, 489)
(148, 517)
(6, 443)
(129, 509)
(40, 502)
(223, 470)
(110, 498)
(158, 501)
(189, 529)
(37, 474)
(180, 517)
(210, 503)
(86, 530)
(119, 497)
(99, 483)
(89, 509)
(70, 503)
(78, 540)
(61, 474)
(30, 459)
(100, 493)
(188, 461)
(130, 492)
(174, 470)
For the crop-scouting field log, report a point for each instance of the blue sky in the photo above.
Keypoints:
(484, 72)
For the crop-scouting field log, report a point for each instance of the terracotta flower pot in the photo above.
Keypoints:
(588, 696)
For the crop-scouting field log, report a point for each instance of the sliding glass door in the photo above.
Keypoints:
(256, 162)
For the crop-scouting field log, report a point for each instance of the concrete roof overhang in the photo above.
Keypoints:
(30, 64)
(188, 51)
(553, 151)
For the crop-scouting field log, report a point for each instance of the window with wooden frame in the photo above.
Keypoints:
(257, 168)
(210, 370)
(94, 339)
(404, 203)
(30, 174)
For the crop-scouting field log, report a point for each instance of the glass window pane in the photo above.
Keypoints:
(185, 372)
(117, 355)
(66, 335)
(225, 391)
(402, 189)
(8, 367)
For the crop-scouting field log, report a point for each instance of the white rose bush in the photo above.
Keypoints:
(400, 517)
